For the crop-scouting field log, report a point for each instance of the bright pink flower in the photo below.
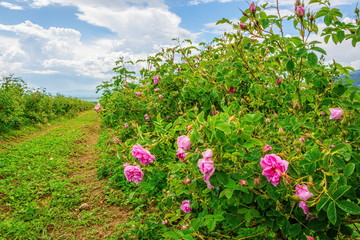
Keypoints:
(232, 90)
(278, 81)
(180, 153)
(322, 113)
(207, 181)
(146, 117)
(336, 113)
(160, 96)
(142, 154)
(303, 192)
(134, 125)
(183, 142)
(164, 222)
(167, 117)
(183, 182)
(267, 148)
(243, 26)
(206, 166)
(295, 104)
(275, 114)
(281, 130)
(183, 227)
(213, 112)
(207, 154)
(256, 181)
(305, 208)
(133, 173)
(138, 93)
(331, 146)
(125, 84)
(268, 120)
(156, 79)
(300, 11)
(126, 125)
(185, 206)
(157, 89)
(252, 7)
(188, 180)
(243, 183)
(310, 238)
(116, 140)
(273, 166)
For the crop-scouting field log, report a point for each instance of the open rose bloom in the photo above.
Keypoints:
(336, 113)
(144, 156)
(185, 206)
(206, 166)
(183, 142)
(133, 173)
(303, 192)
(273, 166)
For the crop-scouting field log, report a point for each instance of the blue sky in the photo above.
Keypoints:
(70, 46)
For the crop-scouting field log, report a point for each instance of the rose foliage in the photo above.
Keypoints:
(204, 147)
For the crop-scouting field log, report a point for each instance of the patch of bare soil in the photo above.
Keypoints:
(85, 173)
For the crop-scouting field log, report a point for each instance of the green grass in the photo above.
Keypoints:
(40, 191)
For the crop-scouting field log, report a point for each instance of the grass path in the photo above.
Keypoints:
(49, 187)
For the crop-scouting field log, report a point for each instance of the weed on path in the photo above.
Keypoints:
(49, 187)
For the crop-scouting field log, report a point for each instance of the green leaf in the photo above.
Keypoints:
(312, 58)
(338, 162)
(341, 35)
(349, 169)
(328, 19)
(195, 223)
(189, 155)
(229, 193)
(211, 225)
(295, 229)
(290, 65)
(220, 136)
(331, 213)
(339, 90)
(223, 127)
(222, 21)
(337, 147)
(256, 141)
(171, 235)
(340, 191)
(285, 228)
(318, 49)
(349, 207)
(187, 237)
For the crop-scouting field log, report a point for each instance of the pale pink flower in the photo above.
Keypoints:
(183, 227)
(133, 173)
(97, 107)
(125, 84)
(303, 192)
(157, 89)
(180, 153)
(164, 222)
(185, 206)
(183, 142)
(138, 93)
(322, 113)
(273, 166)
(275, 114)
(160, 96)
(305, 208)
(243, 183)
(144, 156)
(207, 154)
(281, 130)
(267, 148)
(156, 79)
(188, 180)
(167, 117)
(331, 146)
(336, 113)
(268, 120)
(146, 117)
(126, 125)
(256, 181)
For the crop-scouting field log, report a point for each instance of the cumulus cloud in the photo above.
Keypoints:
(196, 2)
(11, 6)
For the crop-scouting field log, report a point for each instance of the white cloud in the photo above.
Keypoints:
(11, 6)
(197, 2)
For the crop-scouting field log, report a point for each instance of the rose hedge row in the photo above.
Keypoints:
(253, 136)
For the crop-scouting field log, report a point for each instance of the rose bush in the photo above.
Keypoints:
(222, 107)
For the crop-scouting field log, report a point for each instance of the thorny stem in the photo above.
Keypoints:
(278, 11)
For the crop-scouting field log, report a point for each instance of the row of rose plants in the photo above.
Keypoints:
(253, 136)
(21, 105)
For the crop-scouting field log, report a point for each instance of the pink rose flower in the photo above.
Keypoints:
(281, 130)
(302, 205)
(180, 153)
(207, 181)
(300, 11)
(310, 238)
(268, 120)
(183, 227)
(125, 84)
(156, 79)
(252, 7)
(160, 96)
(116, 140)
(146, 117)
(275, 114)
(183, 142)
(242, 183)
(278, 81)
(188, 180)
(336, 113)
(256, 181)
(185, 206)
(331, 146)
(207, 154)
(167, 117)
(232, 90)
(97, 107)
(138, 93)
(164, 222)
(273, 166)
(126, 125)
(267, 148)
(142, 154)
(243, 26)
(133, 173)
(213, 112)
(303, 192)
(134, 125)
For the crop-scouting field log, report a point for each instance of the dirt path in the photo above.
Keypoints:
(85, 173)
